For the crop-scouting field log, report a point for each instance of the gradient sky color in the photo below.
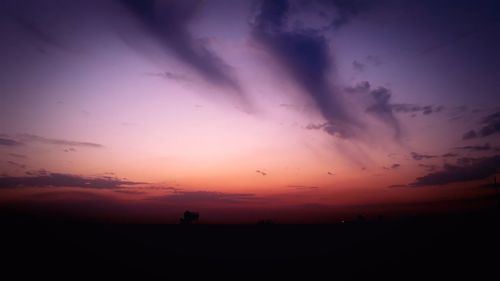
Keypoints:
(298, 111)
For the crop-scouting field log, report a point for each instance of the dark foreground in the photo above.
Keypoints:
(447, 248)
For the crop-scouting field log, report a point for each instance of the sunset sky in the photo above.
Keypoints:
(296, 111)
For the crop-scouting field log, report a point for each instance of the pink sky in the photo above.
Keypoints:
(212, 108)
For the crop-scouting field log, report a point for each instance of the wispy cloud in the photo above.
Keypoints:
(207, 197)
(490, 125)
(16, 165)
(303, 187)
(46, 179)
(261, 172)
(167, 22)
(167, 75)
(484, 147)
(428, 167)
(9, 142)
(418, 156)
(378, 103)
(16, 155)
(395, 166)
(34, 138)
(474, 169)
(414, 108)
(304, 55)
(382, 108)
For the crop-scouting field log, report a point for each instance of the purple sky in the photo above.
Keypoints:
(299, 103)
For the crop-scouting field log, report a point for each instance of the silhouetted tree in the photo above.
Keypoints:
(189, 217)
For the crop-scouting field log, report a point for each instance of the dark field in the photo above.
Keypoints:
(420, 248)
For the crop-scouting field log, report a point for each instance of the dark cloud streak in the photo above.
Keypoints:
(418, 156)
(475, 169)
(304, 54)
(35, 138)
(9, 142)
(485, 147)
(168, 22)
(46, 179)
(206, 196)
(490, 126)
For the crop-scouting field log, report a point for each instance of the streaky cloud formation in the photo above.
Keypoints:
(379, 104)
(167, 21)
(418, 156)
(342, 104)
(490, 126)
(474, 169)
(17, 155)
(413, 108)
(9, 142)
(41, 34)
(484, 147)
(428, 167)
(395, 166)
(304, 54)
(16, 165)
(303, 187)
(383, 109)
(346, 10)
(35, 138)
(167, 75)
(46, 179)
(207, 197)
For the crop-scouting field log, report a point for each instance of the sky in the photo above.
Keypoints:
(295, 111)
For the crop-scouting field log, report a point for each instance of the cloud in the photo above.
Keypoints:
(395, 166)
(35, 138)
(304, 55)
(349, 9)
(382, 108)
(337, 129)
(206, 197)
(16, 165)
(474, 169)
(374, 60)
(429, 168)
(414, 108)
(343, 11)
(41, 34)
(469, 135)
(448, 155)
(168, 22)
(358, 66)
(167, 75)
(16, 155)
(130, 192)
(397, 185)
(261, 172)
(490, 126)
(485, 147)
(418, 156)
(379, 104)
(449, 42)
(43, 178)
(9, 142)
(303, 187)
